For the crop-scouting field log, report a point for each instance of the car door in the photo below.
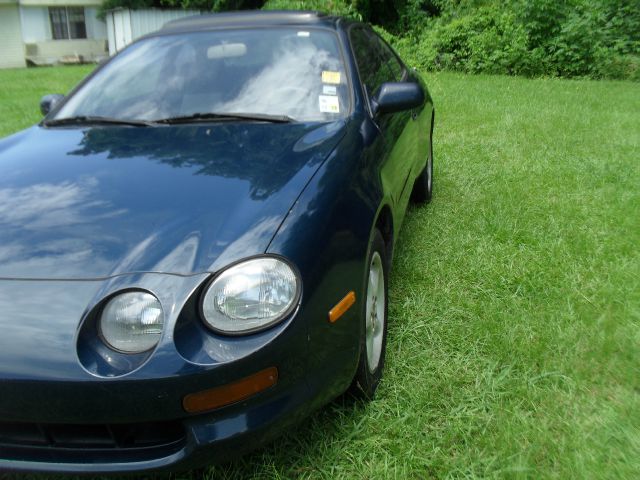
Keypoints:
(411, 129)
(376, 65)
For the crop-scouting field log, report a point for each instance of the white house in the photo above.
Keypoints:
(44, 32)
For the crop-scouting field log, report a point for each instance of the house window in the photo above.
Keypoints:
(67, 23)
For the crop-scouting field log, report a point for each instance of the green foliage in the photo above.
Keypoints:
(489, 41)
(598, 39)
(226, 5)
(335, 7)
(573, 38)
(214, 5)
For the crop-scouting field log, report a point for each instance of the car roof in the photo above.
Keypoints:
(252, 18)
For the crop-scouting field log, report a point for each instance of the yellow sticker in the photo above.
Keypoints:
(330, 77)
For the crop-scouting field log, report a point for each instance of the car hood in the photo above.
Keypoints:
(104, 201)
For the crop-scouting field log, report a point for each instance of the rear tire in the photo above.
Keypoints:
(423, 186)
(373, 340)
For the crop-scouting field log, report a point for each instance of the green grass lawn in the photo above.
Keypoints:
(22, 88)
(514, 338)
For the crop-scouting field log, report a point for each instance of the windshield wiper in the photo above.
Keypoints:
(207, 117)
(95, 120)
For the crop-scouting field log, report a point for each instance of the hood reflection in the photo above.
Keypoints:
(101, 202)
(253, 153)
(67, 203)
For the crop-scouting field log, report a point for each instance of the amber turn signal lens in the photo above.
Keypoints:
(232, 393)
(343, 305)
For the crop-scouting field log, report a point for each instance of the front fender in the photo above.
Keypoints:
(326, 234)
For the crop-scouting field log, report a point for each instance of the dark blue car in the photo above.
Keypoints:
(195, 243)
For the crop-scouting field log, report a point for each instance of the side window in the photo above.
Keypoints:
(390, 59)
(373, 72)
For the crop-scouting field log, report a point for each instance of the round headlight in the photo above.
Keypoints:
(132, 322)
(250, 296)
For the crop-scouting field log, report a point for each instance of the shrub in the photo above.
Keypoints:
(487, 41)
(335, 7)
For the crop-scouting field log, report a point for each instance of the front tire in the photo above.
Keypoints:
(373, 342)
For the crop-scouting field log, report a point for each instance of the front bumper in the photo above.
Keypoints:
(179, 445)
(95, 426)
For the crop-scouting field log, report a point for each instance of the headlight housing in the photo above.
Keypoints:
(251, 296)
(132, 322)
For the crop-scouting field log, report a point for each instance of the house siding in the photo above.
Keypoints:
(36, 26)
(12, 51)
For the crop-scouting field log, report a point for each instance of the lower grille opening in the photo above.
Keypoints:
(46, 442)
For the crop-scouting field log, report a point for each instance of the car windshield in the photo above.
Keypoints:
(292, 73)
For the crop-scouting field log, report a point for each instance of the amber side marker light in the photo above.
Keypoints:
(342, 306)
(231, 393)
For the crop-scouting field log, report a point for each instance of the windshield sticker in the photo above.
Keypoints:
(329, 104)
(303, 34)
(329, 90)
(330, 77)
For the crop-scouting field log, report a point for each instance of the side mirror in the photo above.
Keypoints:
(396, 97)
(49, 101)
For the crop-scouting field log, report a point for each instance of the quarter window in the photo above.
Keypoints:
(67, 23)
(390, 59)
(373, 71)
